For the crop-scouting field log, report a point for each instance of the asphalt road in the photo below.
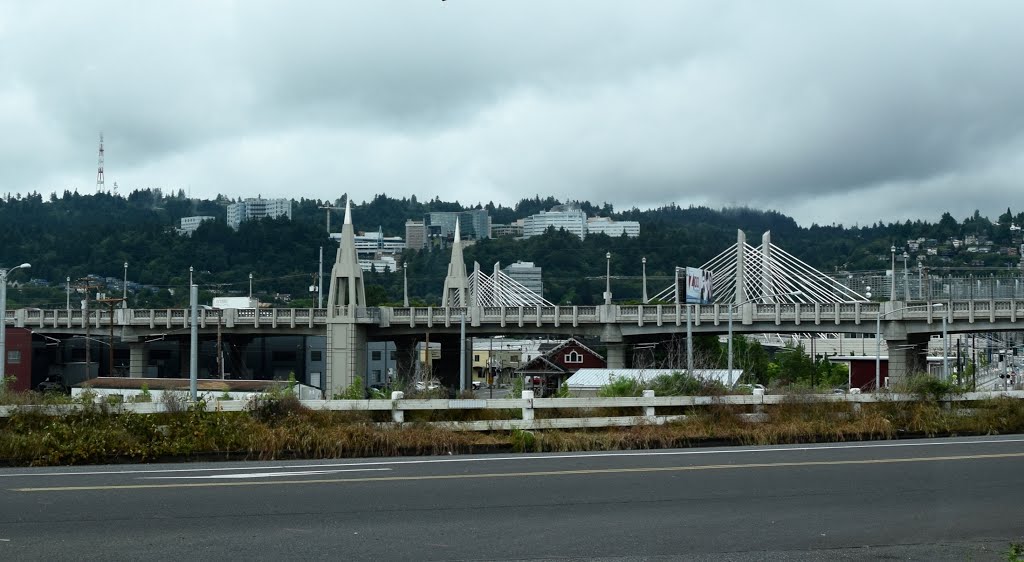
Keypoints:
(951, 499)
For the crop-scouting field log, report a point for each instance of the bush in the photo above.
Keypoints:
(621, 386)
(354, 391)
(684, 384)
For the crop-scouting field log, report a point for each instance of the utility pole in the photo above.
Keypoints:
(110, 304)
(328, 207)
(85, 287)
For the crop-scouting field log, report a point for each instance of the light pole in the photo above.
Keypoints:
(906, 279)
(67, 289)
(124, 287)
(892, 280)
(608, 278)
(920, 277)
(190, 270)
(405, 285)
(878, 339)
(643, 262)
(732, 310)
(3, 318)
(250, 287)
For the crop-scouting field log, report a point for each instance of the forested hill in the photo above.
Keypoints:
(75, 235)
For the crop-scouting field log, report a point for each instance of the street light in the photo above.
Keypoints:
(190, 270)
(732, 310)
(124, 287)
(878, 341)
(3, 317)
(67, 288)
(643, 262)
(405, 285)
(892, 286)
(608, 278)
(250, 287)
(906, 279)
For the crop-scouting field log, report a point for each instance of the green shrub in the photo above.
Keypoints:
(354, 391)
(621, 386)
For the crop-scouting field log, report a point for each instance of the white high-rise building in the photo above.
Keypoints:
(258, 208)
(561, 217)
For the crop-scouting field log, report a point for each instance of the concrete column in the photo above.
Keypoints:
(611, 336)
(138, 360)
(907, 356)
(346, 356)
(616, 356)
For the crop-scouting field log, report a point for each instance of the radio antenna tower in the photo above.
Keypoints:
(100, 187)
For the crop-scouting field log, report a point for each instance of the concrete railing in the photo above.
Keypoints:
(528, 405)
(809, 314)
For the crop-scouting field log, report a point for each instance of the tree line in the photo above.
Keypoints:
(72, 235)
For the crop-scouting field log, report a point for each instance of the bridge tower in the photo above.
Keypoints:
(346, 339)
(456, 284)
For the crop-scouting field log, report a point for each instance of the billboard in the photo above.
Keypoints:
(695, 285)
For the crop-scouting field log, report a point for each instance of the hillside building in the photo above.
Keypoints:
(258, 208)
(605, 225)
(562, 217)
(526, 274)
(190, 224)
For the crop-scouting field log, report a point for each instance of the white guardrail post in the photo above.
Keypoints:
(528, 407)
(649, 410)
(397, 415)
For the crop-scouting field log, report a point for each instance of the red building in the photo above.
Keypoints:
(862, 370)
(547, 372)
(19, 358)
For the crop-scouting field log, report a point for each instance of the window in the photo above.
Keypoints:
(376, 375)
(476, 357)
(316, 356)
(13, 356)
(392, 355)
(375, 356)
(574, 357)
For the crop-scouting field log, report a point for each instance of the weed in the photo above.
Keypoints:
(144, 394)
(1015, 553)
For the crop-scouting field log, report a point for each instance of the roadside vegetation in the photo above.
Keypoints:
(277, 426)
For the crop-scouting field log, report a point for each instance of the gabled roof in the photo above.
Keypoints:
(571, 341)
(541, 364)
(546, 363)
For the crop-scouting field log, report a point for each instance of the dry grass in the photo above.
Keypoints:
(285, 429)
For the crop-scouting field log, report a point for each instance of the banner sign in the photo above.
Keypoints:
(695, 285)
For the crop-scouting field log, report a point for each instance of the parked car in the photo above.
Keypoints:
(427, 385)
(52, 383)
(477, 385)
(750, 387)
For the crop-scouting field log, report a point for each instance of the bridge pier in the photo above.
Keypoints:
(138, 359)
(346, 356)
(907, 356)
(611, 336)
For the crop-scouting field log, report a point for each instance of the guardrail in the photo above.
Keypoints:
(528, 405)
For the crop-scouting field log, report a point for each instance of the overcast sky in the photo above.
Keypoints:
(847, 112)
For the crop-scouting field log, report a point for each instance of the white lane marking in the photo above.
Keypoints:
(264, 474)
(765, 449)
(5, 540)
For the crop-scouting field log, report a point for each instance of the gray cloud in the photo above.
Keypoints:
(829, 112)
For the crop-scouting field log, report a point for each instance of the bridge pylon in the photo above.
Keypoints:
(346, 340)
